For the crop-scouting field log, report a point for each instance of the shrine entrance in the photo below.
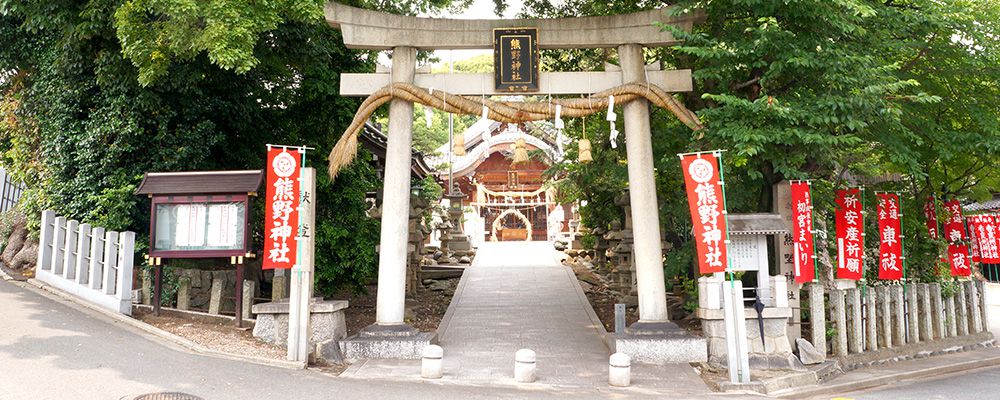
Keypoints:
(632, 86)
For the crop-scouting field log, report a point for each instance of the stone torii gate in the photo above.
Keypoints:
(389, 337)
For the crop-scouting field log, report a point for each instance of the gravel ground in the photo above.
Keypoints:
(222, 337)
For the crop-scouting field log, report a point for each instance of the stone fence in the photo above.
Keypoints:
(87, 262)
(857, 326)
(876, 323)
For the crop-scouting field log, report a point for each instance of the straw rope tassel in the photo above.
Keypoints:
(346, 149)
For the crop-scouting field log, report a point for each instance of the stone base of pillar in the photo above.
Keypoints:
(772, 353)
(660, 343)
(399, 342)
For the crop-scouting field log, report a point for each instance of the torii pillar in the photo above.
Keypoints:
(653, 338)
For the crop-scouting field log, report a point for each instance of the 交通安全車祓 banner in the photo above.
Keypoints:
(850, 234)
(890, 237)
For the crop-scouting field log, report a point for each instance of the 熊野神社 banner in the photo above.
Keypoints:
(703, 183)
(890, 266)
(850, 222)
(281, 215)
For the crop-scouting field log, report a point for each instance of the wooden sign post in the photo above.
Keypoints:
(302, 273)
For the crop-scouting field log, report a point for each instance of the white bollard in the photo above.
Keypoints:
(620, 370)
(524, 366)
(431, 363)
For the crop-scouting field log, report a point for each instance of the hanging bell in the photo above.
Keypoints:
(458, 147)
(584, 156)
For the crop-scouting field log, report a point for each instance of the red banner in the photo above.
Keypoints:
(281, 215)
(850, 235)
(803, 232)
(983, 232)
(954, 231)
(958, 257)
(890, 237)
(930, 217)
(704, 193)
(973, 243)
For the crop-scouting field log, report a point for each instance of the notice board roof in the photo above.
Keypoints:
(200, 182)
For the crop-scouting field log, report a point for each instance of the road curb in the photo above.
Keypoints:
(868, 383)
(151, 332)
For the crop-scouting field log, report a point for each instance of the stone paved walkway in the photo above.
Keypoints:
(518, 295)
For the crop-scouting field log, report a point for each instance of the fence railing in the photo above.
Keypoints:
(10, 191)
(87, 262)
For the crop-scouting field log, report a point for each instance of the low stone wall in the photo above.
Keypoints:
(773, 352)
(875, 324)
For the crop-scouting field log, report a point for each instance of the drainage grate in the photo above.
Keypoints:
(167, 396)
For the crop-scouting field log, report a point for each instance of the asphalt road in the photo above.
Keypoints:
(980, 384)
(51, 348)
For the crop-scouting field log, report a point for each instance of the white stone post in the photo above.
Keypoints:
(46, 239)
(96, 258)
(975, 315)
(58, 245)
(82, 266)
(838, 314)
(871, 320)
(817, 316)
(524, 366)
(962, 316)
(855, 326)
(431, 364)
(396, 197)
(912, 314)
(951, 320)
(898, 315)
(984, 304)
(619, 370)
(926, 313)
(780, 285)
(937, 311)
(885, 316)
(69, 250)
(642, 193)
(301, 289)
(110, 261)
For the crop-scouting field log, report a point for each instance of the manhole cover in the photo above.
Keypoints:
(167, 396)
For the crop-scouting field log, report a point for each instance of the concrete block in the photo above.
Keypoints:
(215, 301)
(912, 314)
(937, 311)
(884, 316)
(664, 343)
(855, 329)
(326, 321)
(962, 311)
(817, 316)
(184, 293)
(838, 313)
(400, 342)
(871, 320)
(329, 351)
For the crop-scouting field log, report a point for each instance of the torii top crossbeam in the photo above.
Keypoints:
(374, 30)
